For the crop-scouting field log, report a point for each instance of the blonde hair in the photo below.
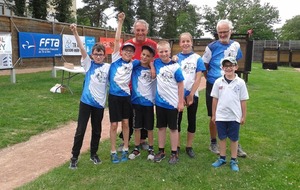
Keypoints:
(163, 43)
(186, 34)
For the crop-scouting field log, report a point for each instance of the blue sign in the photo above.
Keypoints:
(89, 43)
(39, 45)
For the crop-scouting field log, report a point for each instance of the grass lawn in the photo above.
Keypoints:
(270, 137)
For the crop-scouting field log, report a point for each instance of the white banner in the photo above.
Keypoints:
(5, 51)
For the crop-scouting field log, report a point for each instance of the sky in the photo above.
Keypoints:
(287, 9)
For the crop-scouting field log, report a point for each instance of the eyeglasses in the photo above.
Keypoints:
(224, 32)
(98, 55)
(128, 51)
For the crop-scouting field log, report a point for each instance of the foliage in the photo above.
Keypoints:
(94, 11)
(63, 11)
(244, 15)
(19, 7)
(126, 6)
(268, 137)
(290, 30)
(39, 8)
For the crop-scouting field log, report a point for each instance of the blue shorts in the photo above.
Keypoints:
(228, 129)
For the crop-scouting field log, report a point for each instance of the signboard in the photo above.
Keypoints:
(39, 45)
(5, 51)
(107, 44)
(70, 46)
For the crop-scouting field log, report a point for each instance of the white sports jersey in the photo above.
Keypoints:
(168, 75)
(95, 83)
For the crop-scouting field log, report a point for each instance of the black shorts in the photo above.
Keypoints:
(119, 107)
(143, 117)
(209, 98)
(166, 118)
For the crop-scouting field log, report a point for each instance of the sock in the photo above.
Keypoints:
(150, 147)
(223, 157)
(173, 152)
(161, 149)
(113, 152)
(213, 141)
(234, 159)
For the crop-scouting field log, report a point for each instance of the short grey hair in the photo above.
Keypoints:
(142, 22)
(225, 21)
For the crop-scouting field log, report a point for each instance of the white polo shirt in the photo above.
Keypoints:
(229, 98)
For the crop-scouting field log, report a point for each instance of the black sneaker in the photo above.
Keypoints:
(173, 159)
(190, 152)
(159, 156)
(135, 153)
(95, 159)
(73, 163)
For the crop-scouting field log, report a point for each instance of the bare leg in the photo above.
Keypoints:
(113, 135)
(125, 130)
(233, 148)
(190, 139)
(222, 144)
(212, 130)
(137, 137)
(161, 137)
(174, 139)
(150, 137)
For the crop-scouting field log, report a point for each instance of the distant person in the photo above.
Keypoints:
(93, 98)
(140, 30)
(169, 100)
(229, 94)
(214, 53)
(192, 67)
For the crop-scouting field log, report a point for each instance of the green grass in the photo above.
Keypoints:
(29, 108)
(270, 137)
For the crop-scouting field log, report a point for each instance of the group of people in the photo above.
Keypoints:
(143, 76)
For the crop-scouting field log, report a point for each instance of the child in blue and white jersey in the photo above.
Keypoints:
(142, 99)
(168, 100)
(192, 67)
(93, 98)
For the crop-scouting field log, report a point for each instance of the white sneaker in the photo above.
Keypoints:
(214, 148)
(135, 153)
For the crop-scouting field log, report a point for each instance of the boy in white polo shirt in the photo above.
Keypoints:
(229, 94)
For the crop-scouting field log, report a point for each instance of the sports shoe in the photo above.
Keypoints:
(120, 147)
(124, 156)
(159, 156)
(73, 163)
(190, 152)
(135, 153)
(173, 159)
(114, 158)
(95, 159)
(234, 166)
(240, 152)
(219, 163)
(150, 154)
(214, 148)
(145, 145)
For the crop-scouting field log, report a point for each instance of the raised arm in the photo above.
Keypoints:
(121, 17)
(73, 28)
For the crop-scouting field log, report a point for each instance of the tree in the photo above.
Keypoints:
(39, 8)
(19, 7)
(126, 6)
(63, 11)
(290, 30)
(244, 15)
(94, 11)
(188, 21)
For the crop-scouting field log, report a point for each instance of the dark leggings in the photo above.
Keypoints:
(85, 112)
(191, 116)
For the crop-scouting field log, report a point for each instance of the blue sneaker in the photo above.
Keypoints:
(234, 166)
(114, 158)
(124, 157)
(219, 163)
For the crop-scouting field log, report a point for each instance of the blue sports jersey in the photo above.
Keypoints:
(143, 86)
(214, 53)
(167, 76)
(95, 83)
(119, 77)
(190, 63)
